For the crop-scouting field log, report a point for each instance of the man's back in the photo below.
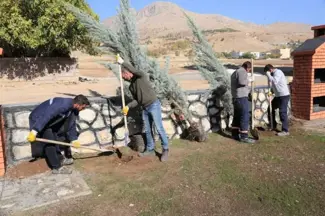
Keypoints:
(239, 83)
(279, 84)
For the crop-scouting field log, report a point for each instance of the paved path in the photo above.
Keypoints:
(39, 190)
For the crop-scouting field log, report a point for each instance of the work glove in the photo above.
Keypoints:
(32, 136)
(251, 79)
(76, 144)
(125, 110)
(119, 59)
(270, 93)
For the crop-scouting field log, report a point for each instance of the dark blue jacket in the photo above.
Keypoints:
(54, 112)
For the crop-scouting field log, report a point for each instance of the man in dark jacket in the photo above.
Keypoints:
(144, 95)
(240, 92)
(55, 119)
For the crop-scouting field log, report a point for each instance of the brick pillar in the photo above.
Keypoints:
(302, 86)
(2, 144)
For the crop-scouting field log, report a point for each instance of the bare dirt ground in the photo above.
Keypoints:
(103, 81)
(278, 176)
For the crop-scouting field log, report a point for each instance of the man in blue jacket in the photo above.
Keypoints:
(55, 119)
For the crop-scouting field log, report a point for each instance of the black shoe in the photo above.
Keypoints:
(147, 153)
(247, 140)
(235, 135)
(164, 155)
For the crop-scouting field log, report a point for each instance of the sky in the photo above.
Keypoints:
(256, 11)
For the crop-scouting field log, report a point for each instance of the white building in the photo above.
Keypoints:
(236, 54)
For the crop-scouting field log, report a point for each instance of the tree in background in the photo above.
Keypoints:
(34, 28)
(125, 41)
(211, 68)
(248, 55)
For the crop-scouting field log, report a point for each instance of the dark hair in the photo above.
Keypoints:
(81, 100)
(247, 65)
(268, 67)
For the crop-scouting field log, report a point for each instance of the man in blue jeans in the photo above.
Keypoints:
(280, 88)
(144, 95)
(240, 91)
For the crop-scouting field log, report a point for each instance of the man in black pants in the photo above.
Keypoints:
(240, 92)
(55, 119)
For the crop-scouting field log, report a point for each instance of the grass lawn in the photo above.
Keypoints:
(278, 176)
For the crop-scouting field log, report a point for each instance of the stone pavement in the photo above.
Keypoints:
(39, 190)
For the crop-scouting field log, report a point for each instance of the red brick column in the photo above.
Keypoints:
(2, 144)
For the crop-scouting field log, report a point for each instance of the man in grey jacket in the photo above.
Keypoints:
(240, 92)
(280, 88)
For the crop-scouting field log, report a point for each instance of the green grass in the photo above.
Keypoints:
(220, 177)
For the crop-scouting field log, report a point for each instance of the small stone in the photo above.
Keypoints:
(169, 127)
(64, 192)
(261, 96)
(213, 111)
(265, 106)
(46, 190)
(166, 108)
(99, 195)
(193, 97)
(39, 181)
(87, 137)
(105, 111)
(95, 106)
(206, 124)
(179, 130)
(223, 124)
(258, 114)
(164, 115)
(19, 136)
(120, 133)
(131, 205)
(83, 126)
(7, 206)
(199, 109)
(196, 120)
(112, 112)
(99, 123)
(87, 115)
(104, 136)
(22, 119)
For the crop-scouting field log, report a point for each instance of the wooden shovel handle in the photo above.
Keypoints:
(67, 144)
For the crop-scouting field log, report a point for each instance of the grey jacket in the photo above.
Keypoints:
(239, 83)
(279, 83)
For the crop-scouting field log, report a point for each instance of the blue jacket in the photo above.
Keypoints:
(52, 112)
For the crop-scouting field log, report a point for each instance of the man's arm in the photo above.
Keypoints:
(275, 78)
(132, 69)
(56, 108)
(72, 132)
(133, 104)
(242, 78)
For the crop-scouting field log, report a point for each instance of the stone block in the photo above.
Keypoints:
(265, 106)
(83, 126)
(87, 115)
(261, 96)
(206, 124)
(223, 124)
(22, 152)
(196, 120)
(105, 110)
(99, 123)
(199, 109)
(169, 127)
(22, 119)
(179, 130)
(19, 135)
(193, 97)
(87, 137)
(214, 120)
(104, 136)
(95, 106)
(166, 108)
(9, 120)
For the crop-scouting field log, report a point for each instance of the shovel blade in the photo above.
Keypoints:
(255, 133)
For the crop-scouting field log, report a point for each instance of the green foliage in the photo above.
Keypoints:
(125, 41)
(273, 55)
(248, 55)
(36, 28)
(219, 30)
(180, 45)
(210, 67)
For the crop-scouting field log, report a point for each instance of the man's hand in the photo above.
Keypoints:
(76, 144)
(125, 110)
(270, 93)
(119, 59)
(32, 136)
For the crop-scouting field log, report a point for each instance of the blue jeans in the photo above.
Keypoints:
(280, 103)
(241, 114)
(152, 114)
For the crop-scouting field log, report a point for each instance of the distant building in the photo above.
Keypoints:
(283, 53)
(256, 54)
(236, 54)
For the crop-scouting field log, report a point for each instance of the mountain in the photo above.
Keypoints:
(161, 19)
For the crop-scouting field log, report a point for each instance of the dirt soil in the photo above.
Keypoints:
(27, 169)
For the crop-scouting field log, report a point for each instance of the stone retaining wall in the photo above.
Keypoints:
(96, 124)
(37, 68)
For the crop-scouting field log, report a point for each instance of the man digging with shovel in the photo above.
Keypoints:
(55, 120)
(144, 95)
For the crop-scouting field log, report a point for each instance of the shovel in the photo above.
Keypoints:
(270, 107)
(254, 131)
(102, 151)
